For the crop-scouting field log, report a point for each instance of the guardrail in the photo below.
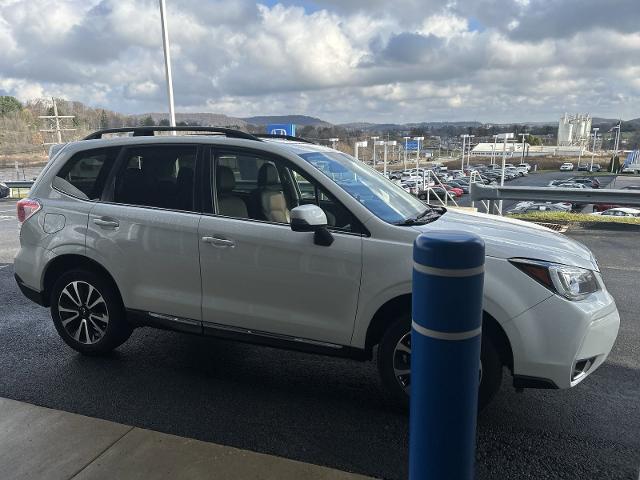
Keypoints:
(494, 193)
(18, 188)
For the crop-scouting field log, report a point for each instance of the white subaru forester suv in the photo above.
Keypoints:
(282, 242)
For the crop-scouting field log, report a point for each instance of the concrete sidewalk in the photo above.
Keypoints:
(41, 443)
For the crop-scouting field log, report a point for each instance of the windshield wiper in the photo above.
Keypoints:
(429, 215)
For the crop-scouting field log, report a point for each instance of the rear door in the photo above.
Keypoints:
(145, 231)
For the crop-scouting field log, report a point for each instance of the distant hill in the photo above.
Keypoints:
(299, 120)
(205, 119)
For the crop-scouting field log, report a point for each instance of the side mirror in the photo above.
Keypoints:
(311, 218)
(308, 218)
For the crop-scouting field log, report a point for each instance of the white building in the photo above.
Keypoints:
(574, 129)
(515, 149)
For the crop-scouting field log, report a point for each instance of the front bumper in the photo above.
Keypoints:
(561, 342)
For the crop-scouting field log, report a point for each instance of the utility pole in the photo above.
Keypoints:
(167, 63)
(55, 120)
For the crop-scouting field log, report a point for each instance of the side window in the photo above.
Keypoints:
(157, 176)
(85, 173)
(267, 189)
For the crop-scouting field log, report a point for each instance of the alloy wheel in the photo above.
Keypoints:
(83, 312)
(402, 363)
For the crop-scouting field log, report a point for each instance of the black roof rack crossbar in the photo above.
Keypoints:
(150, 131)
(284, 137)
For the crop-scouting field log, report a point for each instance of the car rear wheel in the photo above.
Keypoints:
(87, 312)
(394, 365)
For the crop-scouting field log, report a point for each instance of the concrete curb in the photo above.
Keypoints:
(41, 443)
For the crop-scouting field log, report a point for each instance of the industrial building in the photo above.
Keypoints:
(574, 129)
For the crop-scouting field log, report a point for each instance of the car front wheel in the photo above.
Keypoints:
(87, 312)
(394, 365)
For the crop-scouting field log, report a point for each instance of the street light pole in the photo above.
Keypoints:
(406, 141)
(506, 136)
(375, 139)
(615, 153)
(464, 137)
(419, 139)
(167, 63)
(469, 150)
(593, 150)
(523, 135)
(493, 151)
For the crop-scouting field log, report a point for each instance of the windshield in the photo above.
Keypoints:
(380, 196)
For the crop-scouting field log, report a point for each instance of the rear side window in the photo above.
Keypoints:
(158, 176)
(84, 175)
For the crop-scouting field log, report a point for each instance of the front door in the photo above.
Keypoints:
(259, 275)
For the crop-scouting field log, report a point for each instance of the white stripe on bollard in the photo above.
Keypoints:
(449, 272)
(445, 335)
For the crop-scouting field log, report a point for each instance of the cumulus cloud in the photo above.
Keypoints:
(342, 60)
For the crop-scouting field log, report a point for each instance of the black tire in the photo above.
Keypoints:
(489, 357)
(95, 336)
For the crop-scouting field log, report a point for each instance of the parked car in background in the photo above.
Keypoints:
(531, 206)
(525, 165)
(572, 185)
(591, 182)
(619, 212)
(523, 171)
(461, 186)
(586, 167)
(4, 190)
(566, 167)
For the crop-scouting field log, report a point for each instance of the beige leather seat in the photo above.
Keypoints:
(228, 203)
(272, 204)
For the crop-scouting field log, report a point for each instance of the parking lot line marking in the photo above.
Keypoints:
(624, 269)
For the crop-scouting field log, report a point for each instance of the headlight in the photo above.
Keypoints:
(573, 283)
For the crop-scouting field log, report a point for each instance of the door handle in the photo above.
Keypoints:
(219, 242)
(106, 223)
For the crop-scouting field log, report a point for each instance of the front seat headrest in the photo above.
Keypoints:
(268, 175)
(226, 179)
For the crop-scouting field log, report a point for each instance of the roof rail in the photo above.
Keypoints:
(283, 137)
(150, 131)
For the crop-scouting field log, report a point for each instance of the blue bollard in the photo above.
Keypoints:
(448, 276)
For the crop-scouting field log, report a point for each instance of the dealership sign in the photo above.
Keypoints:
(282, 129)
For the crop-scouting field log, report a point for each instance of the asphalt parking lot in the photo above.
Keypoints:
(324, 410)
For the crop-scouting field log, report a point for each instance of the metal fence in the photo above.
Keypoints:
(488, 194)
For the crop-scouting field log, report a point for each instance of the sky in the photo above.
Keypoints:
(392, 61)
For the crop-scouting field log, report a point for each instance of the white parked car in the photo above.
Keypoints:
(290, 244)
(566, 167)
(525, 165)
(620, 212)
